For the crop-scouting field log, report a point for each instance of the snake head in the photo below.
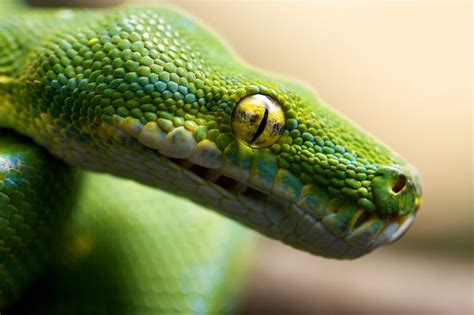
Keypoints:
(361, 194)
(150, 94)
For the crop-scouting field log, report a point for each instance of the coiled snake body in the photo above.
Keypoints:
(148, 94)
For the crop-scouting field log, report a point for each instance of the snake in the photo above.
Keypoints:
(122, 127)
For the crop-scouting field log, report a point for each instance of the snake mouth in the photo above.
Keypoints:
(308, 227)
(216, 179)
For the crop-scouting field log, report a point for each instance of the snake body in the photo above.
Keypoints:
(148, 94)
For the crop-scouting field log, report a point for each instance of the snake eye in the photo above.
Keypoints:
(258, 121)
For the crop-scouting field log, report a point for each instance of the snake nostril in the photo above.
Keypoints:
(400, 184)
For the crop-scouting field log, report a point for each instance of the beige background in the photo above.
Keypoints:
(403, 71)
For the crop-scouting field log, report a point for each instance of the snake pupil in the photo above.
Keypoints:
(261, 127)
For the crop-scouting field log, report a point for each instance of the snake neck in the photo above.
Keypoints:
(8, 43)
(16, 38)
(20, 34)
(5, 104)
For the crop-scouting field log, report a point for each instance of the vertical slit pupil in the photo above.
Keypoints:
(261, 127)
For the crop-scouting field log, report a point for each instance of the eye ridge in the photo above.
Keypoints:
(261, 127)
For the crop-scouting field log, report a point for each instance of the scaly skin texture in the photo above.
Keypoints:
(148, 94)
(32, 213)
(130, 249)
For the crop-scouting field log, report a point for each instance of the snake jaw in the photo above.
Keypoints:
(243, 183)
(246, 184)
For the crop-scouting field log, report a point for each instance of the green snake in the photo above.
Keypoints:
(148, 94)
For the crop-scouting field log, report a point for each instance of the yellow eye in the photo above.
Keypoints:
(258, 121)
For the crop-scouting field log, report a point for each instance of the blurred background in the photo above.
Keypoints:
(403, 71)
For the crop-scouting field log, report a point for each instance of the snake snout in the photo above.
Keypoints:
(397, 192)
(397, 196)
